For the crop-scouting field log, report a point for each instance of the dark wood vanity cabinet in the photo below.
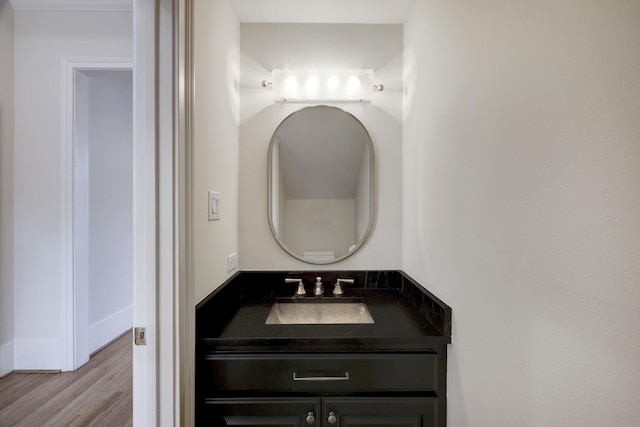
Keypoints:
(391, 373)
(366, 389)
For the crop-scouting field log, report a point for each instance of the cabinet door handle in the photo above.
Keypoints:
(310, 419)
(297, 377)
(332, 418)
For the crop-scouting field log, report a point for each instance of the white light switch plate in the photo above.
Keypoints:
(232, 262)
(214, 205)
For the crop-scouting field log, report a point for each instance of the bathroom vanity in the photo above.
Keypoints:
(390, 371)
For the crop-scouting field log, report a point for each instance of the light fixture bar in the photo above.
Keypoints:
(322, 85)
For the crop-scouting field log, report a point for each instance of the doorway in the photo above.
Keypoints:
(102, 141)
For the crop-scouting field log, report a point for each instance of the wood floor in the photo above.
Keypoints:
(98, 394)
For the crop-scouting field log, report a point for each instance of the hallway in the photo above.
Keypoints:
(97, 394)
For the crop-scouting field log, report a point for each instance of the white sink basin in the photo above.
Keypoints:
(322, 312)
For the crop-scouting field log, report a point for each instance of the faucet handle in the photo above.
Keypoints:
(337, 290)
(300, 291)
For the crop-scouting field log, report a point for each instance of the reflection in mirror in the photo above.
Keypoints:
(321, 184)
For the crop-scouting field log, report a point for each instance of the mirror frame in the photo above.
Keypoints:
(372, 190)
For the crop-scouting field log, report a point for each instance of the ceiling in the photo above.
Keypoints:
(47, 5)
(323, 11)
(265, 11)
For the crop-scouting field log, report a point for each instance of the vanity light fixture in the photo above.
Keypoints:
(322, 85)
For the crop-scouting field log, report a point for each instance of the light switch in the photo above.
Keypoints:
(214, 205)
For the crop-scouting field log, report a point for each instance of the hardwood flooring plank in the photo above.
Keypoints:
(93, 410)
(16, 385)
(39, 405)
(90, 402)
(118, 414)
(99, 393)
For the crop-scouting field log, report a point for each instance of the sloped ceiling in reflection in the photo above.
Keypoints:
(321, 150)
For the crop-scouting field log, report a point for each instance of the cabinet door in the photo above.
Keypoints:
(260, 412)
(380, 412)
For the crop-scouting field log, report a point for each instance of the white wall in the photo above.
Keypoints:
(42, 39)
(6, 185)
(522, 204)
(215, 145)
(110, 205)
(268, 46)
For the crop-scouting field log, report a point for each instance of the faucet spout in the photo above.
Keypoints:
(318, 290)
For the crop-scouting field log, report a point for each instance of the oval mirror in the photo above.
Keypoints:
(321, 184)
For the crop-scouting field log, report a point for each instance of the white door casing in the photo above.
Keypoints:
(156, 368)
(75, 289)
(145, 372)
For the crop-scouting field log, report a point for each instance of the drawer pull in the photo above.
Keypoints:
(306, 377)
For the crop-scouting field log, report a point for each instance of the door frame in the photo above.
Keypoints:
(158, 247)
(158, 303)
(75, 292)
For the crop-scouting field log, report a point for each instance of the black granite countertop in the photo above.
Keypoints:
(405, 319)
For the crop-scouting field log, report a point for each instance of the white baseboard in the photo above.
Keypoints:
(35, 354)
(6, 358)
(111, 327)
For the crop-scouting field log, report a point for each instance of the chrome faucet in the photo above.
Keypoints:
(337, 290)
(319, 289)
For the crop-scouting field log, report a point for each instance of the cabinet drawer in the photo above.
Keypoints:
(321, 372)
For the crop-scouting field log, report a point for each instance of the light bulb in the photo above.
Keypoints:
(333, 82)
(353, 84)
(290, 83)
(312, 84)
